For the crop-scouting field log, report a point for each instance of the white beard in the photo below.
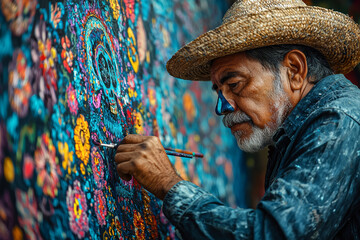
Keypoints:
(259, 137)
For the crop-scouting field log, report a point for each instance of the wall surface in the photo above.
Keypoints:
(76, 71)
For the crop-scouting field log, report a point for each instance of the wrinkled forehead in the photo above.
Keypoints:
(238, 62)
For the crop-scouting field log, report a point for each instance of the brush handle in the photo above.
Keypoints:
(195, 154)
(177, 154)
(169, 151)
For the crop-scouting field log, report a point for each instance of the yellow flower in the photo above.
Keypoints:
(81, 138)
(67, 156)
(82, 169)
(116, 8)
(9, 171)
(139, 122)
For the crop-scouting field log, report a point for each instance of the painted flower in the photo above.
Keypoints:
(55, 16)
(29, 217)
(139, 122)
(19, 14)
(139, 225)
(150, 219)
(130, 9)
(97, 167)
(44, 57)
(114, 4)
(97, 98)
(81, 138)
(28, 167)
(72, 100)
(67, 156)
(100, 207)
(66, 54)
(77, 207)
(19, 83)
(9, 170)
(46, 164)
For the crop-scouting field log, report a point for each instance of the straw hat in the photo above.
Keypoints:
(250, 24)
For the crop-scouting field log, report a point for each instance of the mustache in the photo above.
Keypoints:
(234, 118)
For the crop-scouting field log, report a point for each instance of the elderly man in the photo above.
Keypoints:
(277, 68)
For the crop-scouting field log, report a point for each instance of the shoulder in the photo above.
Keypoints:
(340, 105)
(333, 127)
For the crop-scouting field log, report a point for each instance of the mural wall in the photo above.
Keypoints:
(81, 70)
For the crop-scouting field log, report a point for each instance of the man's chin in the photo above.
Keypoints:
(249, 148)
(252, 143)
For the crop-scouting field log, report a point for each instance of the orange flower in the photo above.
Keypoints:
(81, 137)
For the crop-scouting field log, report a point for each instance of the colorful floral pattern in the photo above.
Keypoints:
(19, 84)
(100, 207)
(72, 100)
(66, 54)
(67, 156)
(74, 72)
(19, 14)
(29, 215)
(46, 164)
(28, 167)
(97, 164)
(44, 56)
(77, 207)
(139, 225)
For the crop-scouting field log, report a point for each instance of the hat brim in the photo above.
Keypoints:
(332, 33)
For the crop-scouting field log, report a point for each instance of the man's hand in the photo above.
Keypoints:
(145, 159)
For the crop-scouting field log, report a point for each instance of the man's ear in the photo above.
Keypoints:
(296, 64)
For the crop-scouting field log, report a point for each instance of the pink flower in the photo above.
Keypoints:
(46, 166)
(28, 167)
(44, 57)
(72, 100)
(77, 207)
(28, 213)
(130, 9)
(97, 167)
(100, 207)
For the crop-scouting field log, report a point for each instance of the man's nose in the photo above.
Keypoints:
(223, 106)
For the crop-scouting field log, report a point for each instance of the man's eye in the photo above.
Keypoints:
(233, 85)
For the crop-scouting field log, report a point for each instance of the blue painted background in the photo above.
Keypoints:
(76, 71)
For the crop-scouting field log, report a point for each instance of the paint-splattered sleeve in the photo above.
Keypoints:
(316, 192)
(199, 215)
(311, 198)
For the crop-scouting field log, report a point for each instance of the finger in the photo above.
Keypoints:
(122, 175)
(134, 138)
(127, 148)
(125, 170)
(123, 157)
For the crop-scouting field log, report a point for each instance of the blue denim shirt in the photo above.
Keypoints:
(312, 180)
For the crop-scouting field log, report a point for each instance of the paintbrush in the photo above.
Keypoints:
(169, 151)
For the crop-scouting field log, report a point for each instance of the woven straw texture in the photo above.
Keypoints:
(250, 24)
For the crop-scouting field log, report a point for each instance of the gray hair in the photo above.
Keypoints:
(272, 56)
